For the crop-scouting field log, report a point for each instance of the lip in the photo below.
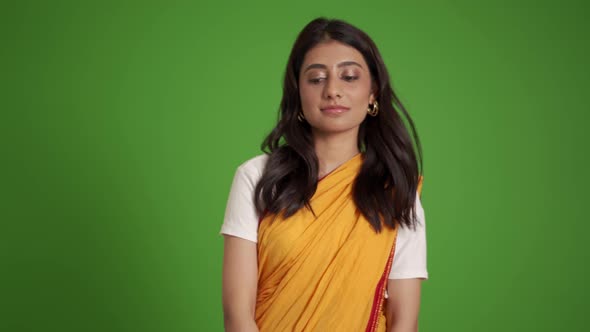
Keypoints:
(334, 109)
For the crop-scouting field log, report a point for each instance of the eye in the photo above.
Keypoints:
(316, 80)
(349, 78)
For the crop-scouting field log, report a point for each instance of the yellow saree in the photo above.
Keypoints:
(324, 273)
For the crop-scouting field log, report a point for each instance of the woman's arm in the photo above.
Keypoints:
(240, 280)
(403, 305)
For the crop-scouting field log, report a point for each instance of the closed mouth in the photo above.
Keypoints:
(335, 109)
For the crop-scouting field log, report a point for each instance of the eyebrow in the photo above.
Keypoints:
(341, 64)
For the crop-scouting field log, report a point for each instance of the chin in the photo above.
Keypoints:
(334, 128)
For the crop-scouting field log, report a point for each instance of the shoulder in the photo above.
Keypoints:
(254, 164)
(249, 172)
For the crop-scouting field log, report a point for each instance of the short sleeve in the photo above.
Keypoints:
(241, 218)
(409, 260)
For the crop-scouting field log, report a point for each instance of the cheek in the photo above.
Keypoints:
(360, 96)
(308, 96)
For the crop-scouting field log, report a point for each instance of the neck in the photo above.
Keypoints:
(334, 150)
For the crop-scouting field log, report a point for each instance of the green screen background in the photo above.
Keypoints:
(122, 124)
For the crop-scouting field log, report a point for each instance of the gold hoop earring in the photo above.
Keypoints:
(373, 109)
(300, 116)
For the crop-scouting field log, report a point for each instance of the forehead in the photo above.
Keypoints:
(331, 53)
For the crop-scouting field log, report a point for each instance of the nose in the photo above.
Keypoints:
(332, 88)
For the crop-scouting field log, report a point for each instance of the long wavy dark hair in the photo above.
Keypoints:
(384, 191)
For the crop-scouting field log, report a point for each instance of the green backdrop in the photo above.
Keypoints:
(122, 125)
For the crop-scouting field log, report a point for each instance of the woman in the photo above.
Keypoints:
(325, 231)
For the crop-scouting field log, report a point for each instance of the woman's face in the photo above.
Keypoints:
(335, 88)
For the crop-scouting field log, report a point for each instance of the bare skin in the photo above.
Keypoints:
(403, 305)
(334, 74)
(240, 283)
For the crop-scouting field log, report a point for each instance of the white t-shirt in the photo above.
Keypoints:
(241, 220)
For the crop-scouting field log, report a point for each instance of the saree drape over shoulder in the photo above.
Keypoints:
(326, 272)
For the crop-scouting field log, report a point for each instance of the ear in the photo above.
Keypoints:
(371, 98)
